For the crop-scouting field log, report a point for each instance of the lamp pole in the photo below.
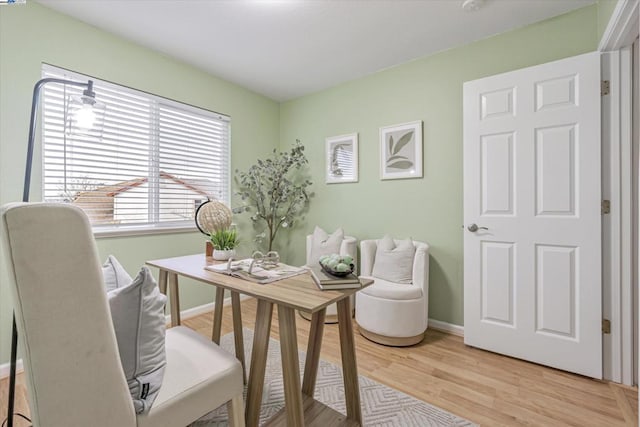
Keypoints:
(88, 92)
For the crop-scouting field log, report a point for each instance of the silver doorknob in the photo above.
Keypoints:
(474, 227)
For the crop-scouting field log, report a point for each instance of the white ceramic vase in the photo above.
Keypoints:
(223, 255)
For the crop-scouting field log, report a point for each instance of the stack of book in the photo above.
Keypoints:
(328, 282)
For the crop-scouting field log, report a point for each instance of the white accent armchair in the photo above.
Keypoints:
(70, 353)
(349, 246)
(389, 313)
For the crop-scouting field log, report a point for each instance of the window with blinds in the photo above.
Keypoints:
(154, 163)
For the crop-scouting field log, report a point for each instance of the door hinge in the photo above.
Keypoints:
(606, 326)
(605, 87)
(606, 206)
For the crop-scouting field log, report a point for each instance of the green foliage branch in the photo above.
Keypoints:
(275, 191)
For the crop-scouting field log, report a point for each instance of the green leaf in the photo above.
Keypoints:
(225, 239)
(402, 164)
(404, 140)
(390, 144)
(396, 158)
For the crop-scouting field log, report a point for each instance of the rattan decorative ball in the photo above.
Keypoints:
(212, 216)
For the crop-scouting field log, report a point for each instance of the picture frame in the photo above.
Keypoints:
(401, 151)
(341, 154)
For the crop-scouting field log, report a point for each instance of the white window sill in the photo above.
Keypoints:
(104, 232)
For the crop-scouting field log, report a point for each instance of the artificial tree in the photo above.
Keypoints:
(275, 191)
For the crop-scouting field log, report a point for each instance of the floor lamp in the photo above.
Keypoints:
(82, 116)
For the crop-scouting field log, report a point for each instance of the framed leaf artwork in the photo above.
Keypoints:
(401, 151)
(342, 158)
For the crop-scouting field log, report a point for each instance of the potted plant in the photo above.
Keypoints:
(224, 243)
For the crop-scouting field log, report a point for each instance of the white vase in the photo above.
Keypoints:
(223, 255)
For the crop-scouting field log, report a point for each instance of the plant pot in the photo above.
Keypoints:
(223, 255)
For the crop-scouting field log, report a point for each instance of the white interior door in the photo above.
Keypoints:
(532, 278)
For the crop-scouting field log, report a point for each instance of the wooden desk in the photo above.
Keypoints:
(289, 295)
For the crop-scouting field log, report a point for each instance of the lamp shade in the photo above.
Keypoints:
(212, 216)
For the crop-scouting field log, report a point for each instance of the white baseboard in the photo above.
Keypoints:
(196, 311)
(446, 327)
(201, 309)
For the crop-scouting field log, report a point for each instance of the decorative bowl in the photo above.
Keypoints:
(338, 273)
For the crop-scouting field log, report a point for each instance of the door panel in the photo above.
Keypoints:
(497, 103)
(497, 282)
(557, 92)
(532, 177)
(497, 174)
(555, 170)
(556, 290)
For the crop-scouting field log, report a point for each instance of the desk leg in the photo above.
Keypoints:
(217, 315)
(238, 336)
(349, 368)
(174, 298)
(290, 366)
(258, 362)
(162, 281)
(313, 352)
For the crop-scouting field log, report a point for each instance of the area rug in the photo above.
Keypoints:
(381, 405)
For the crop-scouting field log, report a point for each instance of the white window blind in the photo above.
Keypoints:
(155, 162)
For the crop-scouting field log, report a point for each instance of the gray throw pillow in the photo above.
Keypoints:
(394, 262)
(115, 276)
(137, 311)
(323, 243)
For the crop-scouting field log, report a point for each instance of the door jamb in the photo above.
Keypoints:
(617, 120)
(617, 263)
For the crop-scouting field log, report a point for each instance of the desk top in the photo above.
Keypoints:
(298, 292)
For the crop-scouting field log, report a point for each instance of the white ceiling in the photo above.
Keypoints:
(286, 49)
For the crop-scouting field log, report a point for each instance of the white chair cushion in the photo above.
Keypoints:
(389, 290)
(137, 312)
(394, 262)
(115, 276)
(199, 377)
(324, 244)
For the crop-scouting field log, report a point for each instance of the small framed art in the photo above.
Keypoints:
(401, 151)
(342, 158)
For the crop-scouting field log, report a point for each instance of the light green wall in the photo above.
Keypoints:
(429, 89)
(32, 34)
(605, 10)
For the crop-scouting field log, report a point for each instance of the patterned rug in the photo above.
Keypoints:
(381, 405)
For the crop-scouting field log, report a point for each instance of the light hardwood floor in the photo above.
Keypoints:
(484, 387)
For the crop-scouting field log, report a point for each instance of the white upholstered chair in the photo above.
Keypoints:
(349, 246)
(70, 353)
(390, 313)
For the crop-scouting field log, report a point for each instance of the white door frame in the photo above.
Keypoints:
(617, 265)
(635, 153)
(617, 178)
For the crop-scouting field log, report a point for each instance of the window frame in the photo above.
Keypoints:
(151, 228)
